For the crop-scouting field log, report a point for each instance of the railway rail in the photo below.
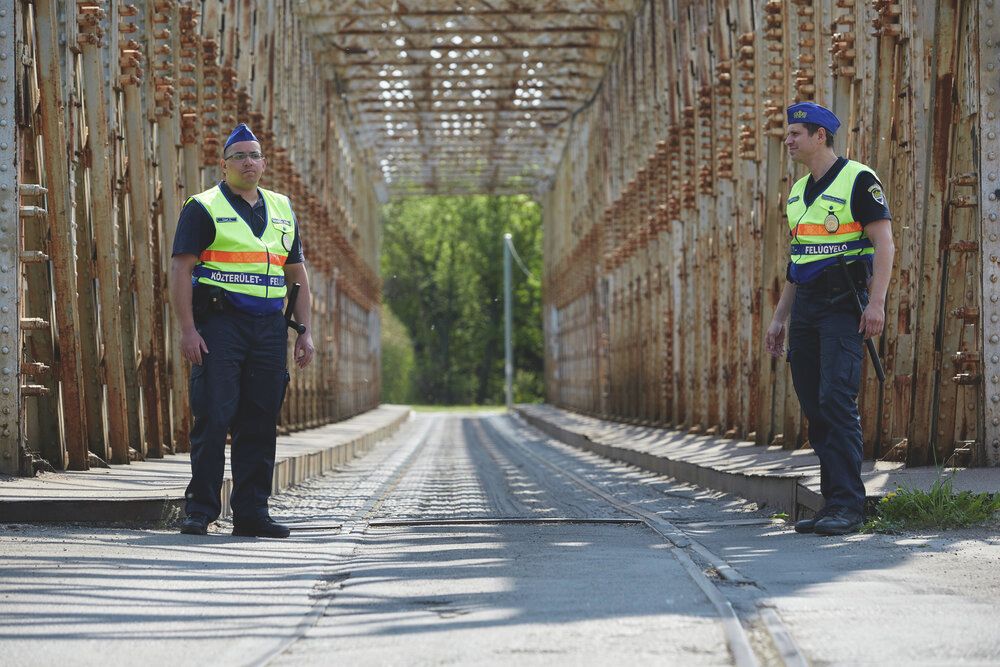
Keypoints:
(506, 442)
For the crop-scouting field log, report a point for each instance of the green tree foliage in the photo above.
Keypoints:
(397, 360)
(442, 266)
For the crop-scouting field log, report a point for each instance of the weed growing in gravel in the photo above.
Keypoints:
(910, 509)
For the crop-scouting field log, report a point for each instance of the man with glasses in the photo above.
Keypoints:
(235, 249)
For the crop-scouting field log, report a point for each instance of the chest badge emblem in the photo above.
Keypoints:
(831, 223)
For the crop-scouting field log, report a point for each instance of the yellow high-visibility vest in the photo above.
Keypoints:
(238, 260)
(827, 228)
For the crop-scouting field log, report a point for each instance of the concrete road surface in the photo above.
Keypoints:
(475, 540)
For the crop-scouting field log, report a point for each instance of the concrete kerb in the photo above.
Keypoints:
(779, 492)
(165, 507)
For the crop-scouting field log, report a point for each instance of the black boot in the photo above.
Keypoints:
(808, 525)
(259, 527)
(840, 521)
(195, 524)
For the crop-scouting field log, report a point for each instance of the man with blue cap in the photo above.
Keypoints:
(235, 249)
(836, 211)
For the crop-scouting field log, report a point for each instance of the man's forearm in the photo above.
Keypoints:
(180, 297)
(303, 304)
(303, 307)
(784, 308)
(881, 272)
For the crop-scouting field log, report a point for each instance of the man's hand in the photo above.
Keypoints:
(774, 342)
(304, 349)
(192, 345)
(872, 320)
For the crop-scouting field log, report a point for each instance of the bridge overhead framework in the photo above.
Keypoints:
(649, 129)
(466, 97)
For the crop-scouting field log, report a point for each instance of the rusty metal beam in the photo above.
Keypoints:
(10, 389)
(61, 250)
(104, 219)
(988, 48)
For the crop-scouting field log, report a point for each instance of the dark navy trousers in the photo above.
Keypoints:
(237, 389)
(826, 352)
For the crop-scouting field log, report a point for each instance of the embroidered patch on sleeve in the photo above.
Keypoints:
(877, 194)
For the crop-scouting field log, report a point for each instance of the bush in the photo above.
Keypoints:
(397, 360)
(911, 509)
(528, 386)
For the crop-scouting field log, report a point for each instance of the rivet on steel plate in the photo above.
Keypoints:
(995, 359)
(995, 339)
(6, 390)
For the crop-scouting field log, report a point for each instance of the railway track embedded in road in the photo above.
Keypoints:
(697, 561)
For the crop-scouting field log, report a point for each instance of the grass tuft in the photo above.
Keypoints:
(912, 509)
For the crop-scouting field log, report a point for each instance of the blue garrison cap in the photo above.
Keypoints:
(810, 112)
(240, 133)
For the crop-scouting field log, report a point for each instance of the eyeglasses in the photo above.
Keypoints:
(256, 156)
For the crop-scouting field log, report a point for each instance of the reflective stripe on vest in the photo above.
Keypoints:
(827, 228)
(238, 260)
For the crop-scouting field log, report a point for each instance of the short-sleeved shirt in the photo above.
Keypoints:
(196, 232)
(868, 202)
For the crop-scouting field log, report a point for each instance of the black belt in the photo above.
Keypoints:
(830, 281)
